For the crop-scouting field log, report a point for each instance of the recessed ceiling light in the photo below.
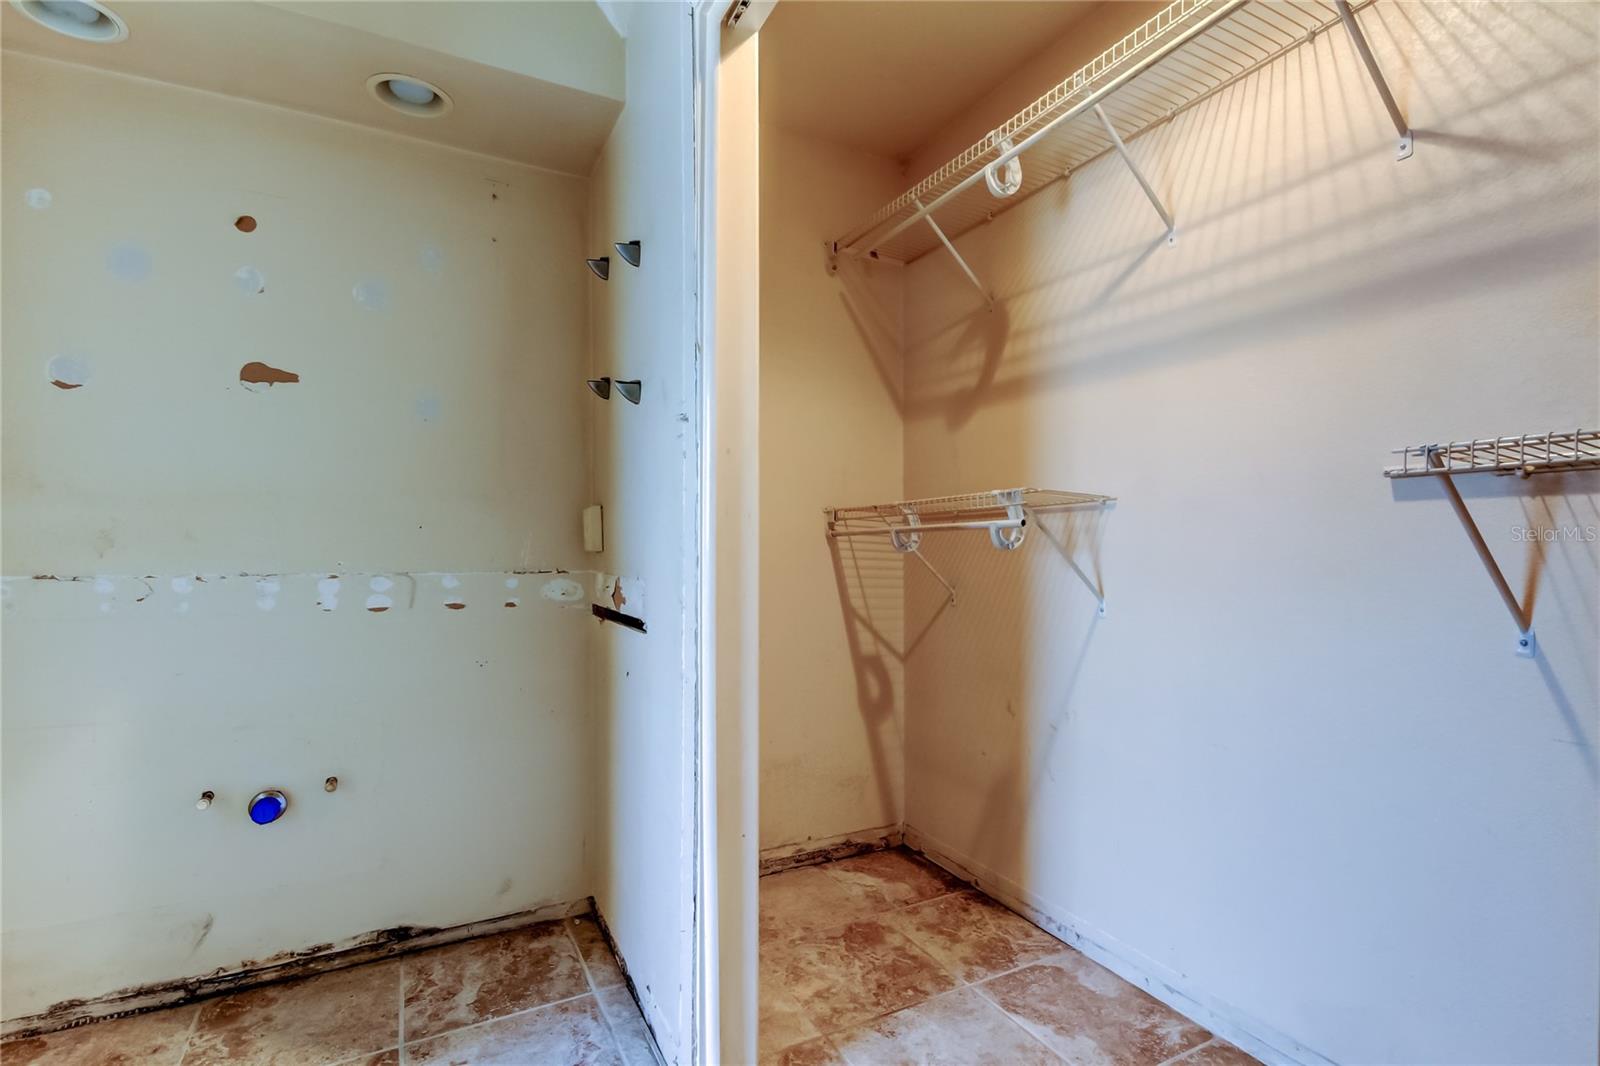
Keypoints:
(85, 20)
(410, 94)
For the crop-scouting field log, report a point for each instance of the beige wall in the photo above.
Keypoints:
(832, 634)
(433, 441)
(1296, 779)
(645, 461)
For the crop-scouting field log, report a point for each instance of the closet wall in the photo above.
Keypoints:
(832, 686)
(1296, 779)
(220, 582)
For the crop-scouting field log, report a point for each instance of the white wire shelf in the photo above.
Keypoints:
(1185, 53)
(1527, 454)
(1524, 455)
(1002, 513)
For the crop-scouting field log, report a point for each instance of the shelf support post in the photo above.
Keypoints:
(962, 263)
(1359, 39)
(1122, 150)
(1527, 645)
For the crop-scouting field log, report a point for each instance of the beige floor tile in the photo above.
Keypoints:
(799, 901)
(490, 977)
(597, 958)
(818, 1052)
(571, 1033)
(974, 937)
(330, 1018)
(780, 1022)
(1217, 1053)
(898, 875)
(156, 1039)
(846, 976)
(1089, 1015)
(960, 1028)
(627, 1026)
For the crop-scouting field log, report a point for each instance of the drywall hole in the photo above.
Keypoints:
(250, 281)
(562, 590)
(129, 262)
(377, 603)
(409, 95)
(259, 376)
(68, 372)
(83, 20)
(39, 199)
(372, 293)
(456, 603)
(245, 224)
(328, 593)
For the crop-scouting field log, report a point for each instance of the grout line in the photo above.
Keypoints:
(594, 989)
(401, 995)
(188, 1038)
(504, 1017)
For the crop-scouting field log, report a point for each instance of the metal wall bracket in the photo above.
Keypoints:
(962, 263)
(1122, 150)
(1527, 644)
(1359, 39)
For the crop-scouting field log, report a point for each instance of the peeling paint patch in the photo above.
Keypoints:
(39, 199)
(562, 590)
(328, 593)
(68, 372)
(130, 262)
(267, 589)
(372, 293)
(257, 376)
(250, 280)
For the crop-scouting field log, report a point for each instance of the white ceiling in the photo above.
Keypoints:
(531, 81)
(884, 75)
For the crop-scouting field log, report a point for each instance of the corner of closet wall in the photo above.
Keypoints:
(643, 461)
(832, 691)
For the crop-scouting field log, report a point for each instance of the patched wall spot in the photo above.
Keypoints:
(562, 590)
(130, 262)
(68, 372)
(250, 281)
(257, 376)
(372, 293)
(39, 199)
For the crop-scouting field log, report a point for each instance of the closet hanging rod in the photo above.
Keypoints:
(1187, 52)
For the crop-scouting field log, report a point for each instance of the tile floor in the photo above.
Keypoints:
(884, 958)
(550, 993)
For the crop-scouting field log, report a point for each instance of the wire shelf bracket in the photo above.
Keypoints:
(1122, 150)
(1359, 39)
(1002, 513)
(1524, 456)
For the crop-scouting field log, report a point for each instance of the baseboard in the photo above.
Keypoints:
(288, 966)
(827, 849)
(1133, 966)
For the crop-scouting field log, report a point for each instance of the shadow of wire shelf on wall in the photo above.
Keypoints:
(1003, 513)
(1524, 455)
